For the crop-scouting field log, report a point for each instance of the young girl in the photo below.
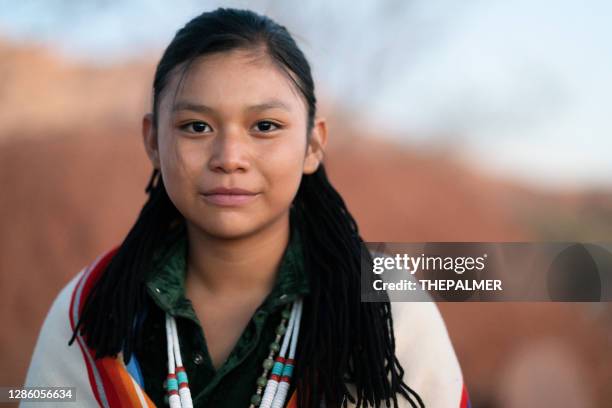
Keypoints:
(239, 283)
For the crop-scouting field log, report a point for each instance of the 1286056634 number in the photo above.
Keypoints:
(8, 394)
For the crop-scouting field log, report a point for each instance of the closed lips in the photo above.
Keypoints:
(229, 197)
(229, 191)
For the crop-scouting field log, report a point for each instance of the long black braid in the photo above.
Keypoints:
(342, 335)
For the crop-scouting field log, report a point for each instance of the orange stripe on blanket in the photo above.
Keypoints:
(120, 389)
(122, 383)
(133, 387)
(292, 401)
(137, 389)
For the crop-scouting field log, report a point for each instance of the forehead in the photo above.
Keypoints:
(231, 79)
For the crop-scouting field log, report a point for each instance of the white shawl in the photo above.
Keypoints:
(423, 348)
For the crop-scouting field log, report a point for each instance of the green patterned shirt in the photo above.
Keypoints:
(233, 384)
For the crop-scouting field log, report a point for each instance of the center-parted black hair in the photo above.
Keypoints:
(341, 339)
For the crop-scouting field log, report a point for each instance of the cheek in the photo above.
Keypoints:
(181, 156)
(282, 166)
(181, 163)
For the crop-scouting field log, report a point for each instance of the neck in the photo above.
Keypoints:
(226, 267)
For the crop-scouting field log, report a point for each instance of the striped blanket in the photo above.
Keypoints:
(422, 346)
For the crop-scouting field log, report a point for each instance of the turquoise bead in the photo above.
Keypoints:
(256, 400)
(172, 384)
(278, 368)
(182, 377)
(274, 347)
(287, 370)
(262, 381)
(268, 363)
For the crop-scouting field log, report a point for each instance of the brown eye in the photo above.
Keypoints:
(266, 126)
(195, 127)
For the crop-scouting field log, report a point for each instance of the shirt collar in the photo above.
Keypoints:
(166, 281)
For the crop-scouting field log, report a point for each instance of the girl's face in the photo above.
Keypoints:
(231, 144)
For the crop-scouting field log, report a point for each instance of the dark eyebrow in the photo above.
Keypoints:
(270, 104)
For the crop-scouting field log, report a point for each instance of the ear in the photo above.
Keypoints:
(149, 135)
(316, 146)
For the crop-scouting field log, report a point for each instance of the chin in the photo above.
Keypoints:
(229, 227)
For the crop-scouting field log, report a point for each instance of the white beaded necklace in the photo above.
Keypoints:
(281, 369)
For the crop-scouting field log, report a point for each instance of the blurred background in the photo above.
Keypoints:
(467, 121)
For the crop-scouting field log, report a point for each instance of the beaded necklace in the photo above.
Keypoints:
(274, 387)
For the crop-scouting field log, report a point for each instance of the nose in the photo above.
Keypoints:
(229, 152)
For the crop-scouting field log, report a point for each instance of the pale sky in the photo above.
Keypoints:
(522, 88)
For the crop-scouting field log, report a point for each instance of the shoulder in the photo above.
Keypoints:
(426, 353)
(54, 362)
